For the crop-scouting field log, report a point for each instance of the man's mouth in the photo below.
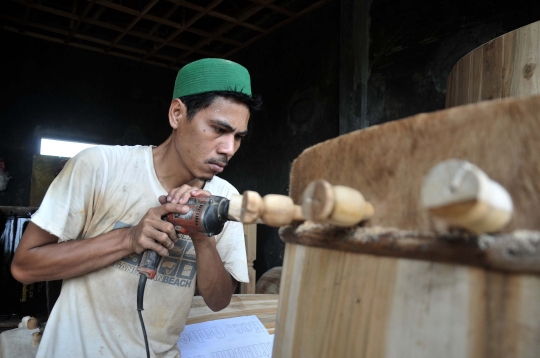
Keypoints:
(217, 164)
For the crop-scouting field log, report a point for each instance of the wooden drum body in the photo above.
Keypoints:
(347, 304)
(401, 285)
(508, 66)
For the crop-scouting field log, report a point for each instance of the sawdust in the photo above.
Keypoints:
(525, 241)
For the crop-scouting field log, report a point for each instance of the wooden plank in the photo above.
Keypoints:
(503, 67)
(508, 63)
(491, 71)
(348, 314)
(527, 63)
(465, 76)
(477, 58)
(262, 306)
(427, 316)
(449, 88)
(344, 304)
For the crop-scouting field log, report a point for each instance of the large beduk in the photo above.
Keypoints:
(400, 285)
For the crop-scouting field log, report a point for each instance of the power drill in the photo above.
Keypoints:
(207, 215)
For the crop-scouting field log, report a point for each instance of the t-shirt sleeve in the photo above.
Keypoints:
(232, 250)
(67, 207)
(230, 243)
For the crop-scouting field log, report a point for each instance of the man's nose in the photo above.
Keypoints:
(228, 145)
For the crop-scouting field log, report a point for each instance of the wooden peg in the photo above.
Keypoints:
(32, 323)
(461, 194)
(273, 210)
(338, 205)
(279, 210)
(235, 207)
(36, 338)
(252, 207)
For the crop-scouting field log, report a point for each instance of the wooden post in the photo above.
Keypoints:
(354, 64)
(250, 239)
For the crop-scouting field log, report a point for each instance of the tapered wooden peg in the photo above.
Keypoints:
(338, 205)
(461, 194)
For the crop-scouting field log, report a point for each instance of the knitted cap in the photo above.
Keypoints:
(211, 74)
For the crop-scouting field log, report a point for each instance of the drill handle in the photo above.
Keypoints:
(149, 263)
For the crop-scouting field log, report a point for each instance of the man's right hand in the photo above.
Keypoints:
(152, 233)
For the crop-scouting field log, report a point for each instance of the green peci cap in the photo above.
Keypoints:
(211, 74)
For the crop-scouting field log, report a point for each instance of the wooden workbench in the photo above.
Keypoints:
(262, 306)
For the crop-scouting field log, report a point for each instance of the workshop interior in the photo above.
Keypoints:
(389, 187)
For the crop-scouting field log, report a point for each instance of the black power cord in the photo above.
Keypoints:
(140, 296)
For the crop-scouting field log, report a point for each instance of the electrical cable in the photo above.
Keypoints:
(140, 296)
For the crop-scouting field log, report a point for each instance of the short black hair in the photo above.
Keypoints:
(195, 102)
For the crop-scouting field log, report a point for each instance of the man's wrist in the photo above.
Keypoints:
(125, 238)
(204, 242)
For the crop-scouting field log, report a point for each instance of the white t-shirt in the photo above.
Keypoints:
(106, 188)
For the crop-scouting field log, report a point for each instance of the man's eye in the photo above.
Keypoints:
(219, 130)
(240, 137)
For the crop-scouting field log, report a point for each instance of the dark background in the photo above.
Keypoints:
(52, 90)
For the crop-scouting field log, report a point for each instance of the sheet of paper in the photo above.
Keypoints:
(209, 333)
(254, 347)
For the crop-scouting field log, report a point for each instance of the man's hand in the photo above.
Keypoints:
(152, 233)
(182, 194)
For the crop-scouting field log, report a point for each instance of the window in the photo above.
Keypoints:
(62, 148)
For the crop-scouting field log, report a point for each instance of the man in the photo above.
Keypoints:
(104, 209)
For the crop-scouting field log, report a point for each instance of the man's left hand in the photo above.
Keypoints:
(182, 194)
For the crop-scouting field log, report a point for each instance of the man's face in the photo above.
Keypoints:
(207, 142)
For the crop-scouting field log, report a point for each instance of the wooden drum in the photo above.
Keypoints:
(401, 285)
(507, 66)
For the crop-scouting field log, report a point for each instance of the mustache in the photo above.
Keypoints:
(217, 160)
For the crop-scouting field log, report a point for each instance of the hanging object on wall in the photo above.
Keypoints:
(4, 176)
(17, 298)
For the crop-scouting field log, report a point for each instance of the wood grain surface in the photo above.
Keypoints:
(262, 306)
(387, 163)
(344, 304)
(250, 239)
(507, 66)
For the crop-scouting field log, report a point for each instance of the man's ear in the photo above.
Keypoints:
(177, 113)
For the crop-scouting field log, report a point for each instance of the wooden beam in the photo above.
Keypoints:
(26, 14)
(354, 65)
(244, 16)
(278, 26)
(166, 16)
(147, 8)
(163, 21)
(80, 20)
(269, 5)
(87, 47)
(207, 9)
(86, 38)
(115, 28)
(220, 15)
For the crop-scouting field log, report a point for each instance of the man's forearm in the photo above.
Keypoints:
(55, 261)
(214, 283)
